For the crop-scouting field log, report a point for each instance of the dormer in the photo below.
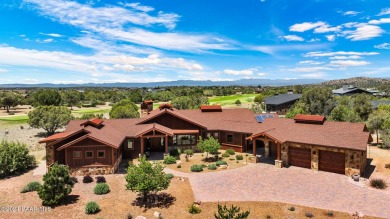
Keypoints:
(95, 122)
(165, 106)
(310, 119)
(212, 108)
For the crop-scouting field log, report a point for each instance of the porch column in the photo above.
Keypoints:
(166, 144)
(279, 151)
(142, 146)
(266, 148)
(278, 161)
(254, 147)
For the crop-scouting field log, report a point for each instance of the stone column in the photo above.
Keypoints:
(266, 149)
(254, 147)
(314, 158)
(278, 161)
(166, 144)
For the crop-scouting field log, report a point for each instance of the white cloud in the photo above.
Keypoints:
(272, 50)
(52, 34)
(383, 46)
(338, 53)
(293, 38)
(348, 63)
(314, 40)
(239, 72)
(313, 75)
(30, 80)
(351, 13)
(330, 37)
(261, 74)
(181, 63)
(346, 57)
(302, 27)
(384, 11)
(138, 6)
(380, 21)
(311, 69)
(326, 28)
(3, 70)
(309, 62)
(364, 32)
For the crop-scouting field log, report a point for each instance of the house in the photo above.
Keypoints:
(376, 103)
(99, 145)
(280, 103)
(350, 90)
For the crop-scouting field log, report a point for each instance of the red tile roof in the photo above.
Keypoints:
(95, 122)
(165, 106)
(56, 136)
(309, 118)
(211, 108)
(148, 101)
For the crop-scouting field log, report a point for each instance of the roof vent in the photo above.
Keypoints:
(309, 119)
(95, 122)
(212, 108)
(165, 106)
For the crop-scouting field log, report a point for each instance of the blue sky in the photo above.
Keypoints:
(80, 41)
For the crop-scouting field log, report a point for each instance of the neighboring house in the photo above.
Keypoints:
(350, 90)
(280, 103)
(98, 146)
(376, 103)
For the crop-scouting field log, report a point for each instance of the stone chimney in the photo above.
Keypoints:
(146, 107)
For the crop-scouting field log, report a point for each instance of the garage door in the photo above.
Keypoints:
(332, 162)
(300, 157)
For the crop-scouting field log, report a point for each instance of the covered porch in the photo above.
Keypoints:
(267, 146)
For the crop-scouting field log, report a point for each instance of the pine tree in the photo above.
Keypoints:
(230, 213)
(57, 185)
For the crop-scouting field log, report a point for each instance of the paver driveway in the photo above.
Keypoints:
(262, 182)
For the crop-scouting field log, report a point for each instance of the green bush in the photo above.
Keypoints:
(225, 154)
(230, 151)
(87, 179)
(74, 180)
(212, 166)
(100, 179)
(329, 213)
(92, 208)
(189, 152)
(378, 183)
(14, 158)
(221, 162)
(309, 214)
(169, 175)
(232, 212)
(196, 168)
(193, 209)
(169, 160)
(292, 208)
(239, 157)
(32, 186)
(101, 189)
(174, 152)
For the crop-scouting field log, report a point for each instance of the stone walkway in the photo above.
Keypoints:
(263, 182)
(40, 170)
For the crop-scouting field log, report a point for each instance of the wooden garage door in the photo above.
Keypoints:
(332, 162)
(300, 157)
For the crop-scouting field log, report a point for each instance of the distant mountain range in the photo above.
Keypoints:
(241, 82)
(358, 81)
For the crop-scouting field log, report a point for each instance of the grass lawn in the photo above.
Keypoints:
(92, 110)
(230, 100)
(14, 119)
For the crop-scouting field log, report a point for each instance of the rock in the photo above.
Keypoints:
(178, 162)
(182, 179)
(140, 217)
(157, 214)
(198, 202)
(223, 166)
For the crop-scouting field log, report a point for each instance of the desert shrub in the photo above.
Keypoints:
(230, 151)
(387, 165)
(329, 213)
(101, 189)
(196, 168)
(268, 216)
(233, 212)
(87, 179)
(225, 155)
(221, 162)
(189, 152)
(212, 166)
(169, 175)
(231, 159)
(14, 158)
(378, 183)
(292, 208)
(174, 152)
(239, 157)
(92, 208)
(169, 160)
(32, 186)
(194, 209)
(309, 214)
(129, 216)
(74, 180)
(100, 179)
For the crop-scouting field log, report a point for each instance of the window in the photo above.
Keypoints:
(77, 154)
(216, 135)
(208, 135)
(184, 139)
(101, 154)
(229, 138)
(89, 154)
(130, 144)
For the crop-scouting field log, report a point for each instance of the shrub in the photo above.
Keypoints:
(230, 151)
(196, 168)
(169, 160)
(329, 214)
(292, 208)
(212, 167)
(101, 189)
(14, 158)
(189, 152)
(221, 162)
(74, 179)
(232, 212)
(231, 159)
(194, 209)
(129, 216)
(100, 179)
(268, 216)
(225, 155)
(239, 157)
(387, 165)
(309, 214)
(378, 183)
(174, 152)
(87, 179)
(92, 208)
(32, 186)
(169, 175)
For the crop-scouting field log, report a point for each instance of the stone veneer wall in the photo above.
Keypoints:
(355, 162)
(92, 170)
(284, 154)
(49, 155)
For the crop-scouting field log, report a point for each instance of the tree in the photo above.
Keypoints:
(187, 102)
(87, 116)
(57, 185)
(344, 113)
(297, 108)
(50, 118)
(362, 106)
(124, 109)
(47, 97)
(376, 122)
(146, 178)
(238, 102)
(298, 89)
(14, 158)
(72, 98)
(230, 213)
(10, 99)
(209, 145)
(318, 101)
(259, 98)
